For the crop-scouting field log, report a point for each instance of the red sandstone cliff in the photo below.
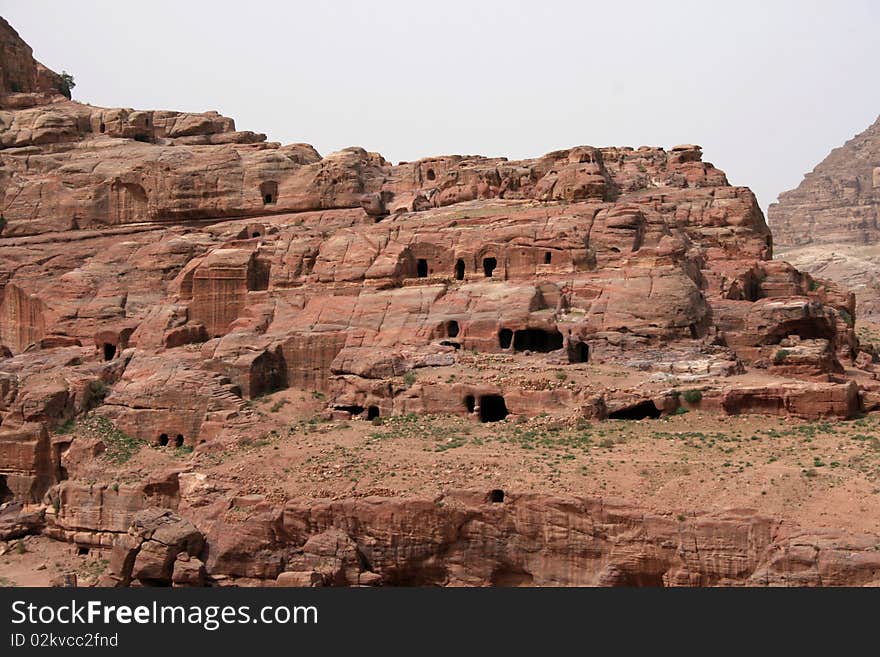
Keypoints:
(161, 270)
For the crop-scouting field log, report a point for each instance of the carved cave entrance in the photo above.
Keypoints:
(489, 265)
(805, 329)
(459, 270)
(537, 340)
(422, 268)
(109, 351)
(641, 411)
(269, 192)
(492, 408)
(452, 329)
(5, 492)
(372, 412)
(579, 352)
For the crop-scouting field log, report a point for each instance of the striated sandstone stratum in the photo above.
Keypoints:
(163, 274)
(830, 224)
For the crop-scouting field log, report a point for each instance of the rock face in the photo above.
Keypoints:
(160, 270)
(22, 79)
(830, 225)
(484, 539)
(838, 202)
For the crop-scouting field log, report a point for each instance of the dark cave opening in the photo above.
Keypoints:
(452, 329)
(496, 496)
(163, 439)
(372, 412)
(489, 265)
(353, 409)
(178, 442)
(805, 329)
(548, 257)
(5, 492)
(578, 352)
(492, 408)
(641, 411)
(459, 269)
(537, 340)
(505, 338)
(470, 403)
(269, 192)
(422, 268)
(109, 351)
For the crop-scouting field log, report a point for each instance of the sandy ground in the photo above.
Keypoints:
(37, 560)
(819, 474)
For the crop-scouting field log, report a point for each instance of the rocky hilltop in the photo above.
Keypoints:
(162, 273)
(838, 202)
(830, 224)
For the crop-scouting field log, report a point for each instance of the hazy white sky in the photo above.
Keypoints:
(767, 88)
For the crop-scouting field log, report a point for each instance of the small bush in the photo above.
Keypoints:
(68, 426)
(846, 317)
(561, 376)
(409, 378)
(2, 223)
(67, 84)
(98, 390)
(780, 356)
(693, 396)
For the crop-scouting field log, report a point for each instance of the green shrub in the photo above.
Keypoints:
(67, 427)
(67, 84)
(780, 356)
(693, 396)
(846, 317)
(409, 378)
(98, 389)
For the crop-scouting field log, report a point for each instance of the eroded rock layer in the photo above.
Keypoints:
(159, 270)
(830, 224)
(836, 203)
